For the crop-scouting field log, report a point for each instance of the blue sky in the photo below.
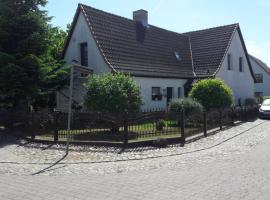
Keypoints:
(185, 15)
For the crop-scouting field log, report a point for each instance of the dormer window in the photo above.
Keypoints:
(177, 56)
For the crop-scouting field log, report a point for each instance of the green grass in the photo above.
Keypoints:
(138, 132)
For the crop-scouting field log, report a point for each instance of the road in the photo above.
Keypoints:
(244, 175)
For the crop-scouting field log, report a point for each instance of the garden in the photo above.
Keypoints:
(112, 115)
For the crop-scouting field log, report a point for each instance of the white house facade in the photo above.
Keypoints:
(262, 75)
(168, 88)
(235, 71)
(163, 63)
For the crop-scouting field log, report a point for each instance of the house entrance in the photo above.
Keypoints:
(169, 94)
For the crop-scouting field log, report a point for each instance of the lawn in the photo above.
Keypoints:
(139, 132)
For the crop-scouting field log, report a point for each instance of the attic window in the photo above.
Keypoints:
(177, 56)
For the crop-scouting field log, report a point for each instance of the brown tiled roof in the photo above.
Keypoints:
(261, 64)
(131, 48)
(209, 47)
(128, 47)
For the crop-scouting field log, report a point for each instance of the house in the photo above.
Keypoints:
(262, 75)
(163, 63)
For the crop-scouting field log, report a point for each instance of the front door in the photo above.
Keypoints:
(169, 94)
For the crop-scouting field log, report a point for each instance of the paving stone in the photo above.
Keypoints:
(233, 164)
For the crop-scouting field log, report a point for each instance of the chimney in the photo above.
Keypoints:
(141, 16)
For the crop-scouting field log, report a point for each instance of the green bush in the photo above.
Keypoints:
(266, 97)
(112, 93)
(212, 94)
(188, 104)
(160, 125)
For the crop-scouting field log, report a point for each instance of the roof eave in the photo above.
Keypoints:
(246, 53)
(74, 22)
(226, 51)
(70, 32)
(257, 62)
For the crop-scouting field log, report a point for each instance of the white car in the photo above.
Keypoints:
(264, 110)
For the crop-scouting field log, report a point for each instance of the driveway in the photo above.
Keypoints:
(233, 164)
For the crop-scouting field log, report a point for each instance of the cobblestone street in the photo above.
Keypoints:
(232, 164)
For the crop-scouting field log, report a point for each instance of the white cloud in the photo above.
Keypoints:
(262, 51)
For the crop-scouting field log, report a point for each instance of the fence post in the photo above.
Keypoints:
(232, 116)
(220, 119)
(32, 125)
(204, 124)
(125, 128)
(242, 113)
(55, 136)
(246, 113)
(183, 137)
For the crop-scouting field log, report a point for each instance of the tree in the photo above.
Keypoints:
(212, 94)
(30, 65)
(115, 93)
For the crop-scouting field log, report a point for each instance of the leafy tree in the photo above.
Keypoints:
(212, 94)
(188, 104)
(112, 93)
(30, 65)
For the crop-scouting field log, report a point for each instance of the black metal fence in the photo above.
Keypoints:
(122, 128)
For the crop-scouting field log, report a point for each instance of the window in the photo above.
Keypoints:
(84, 54)
(259, 78)
(258, 94)
(84, 75)
(229, 61)
(179, 92)
(156, 94)
(240, 64)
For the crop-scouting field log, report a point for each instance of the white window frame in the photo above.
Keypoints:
(159, 98)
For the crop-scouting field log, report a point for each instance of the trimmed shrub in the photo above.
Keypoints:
(188, 104)
(212, 94)
(160, 125)
(114, 93)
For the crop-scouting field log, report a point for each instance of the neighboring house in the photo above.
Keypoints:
(162, 62)
(262, 75)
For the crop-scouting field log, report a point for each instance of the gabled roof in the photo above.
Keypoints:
(129, 47)
(261, 64)
(209, 47)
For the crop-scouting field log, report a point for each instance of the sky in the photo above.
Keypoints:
(185, 15)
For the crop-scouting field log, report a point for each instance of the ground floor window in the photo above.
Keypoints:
(156, 94)
(259, 78)
(258, 96)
